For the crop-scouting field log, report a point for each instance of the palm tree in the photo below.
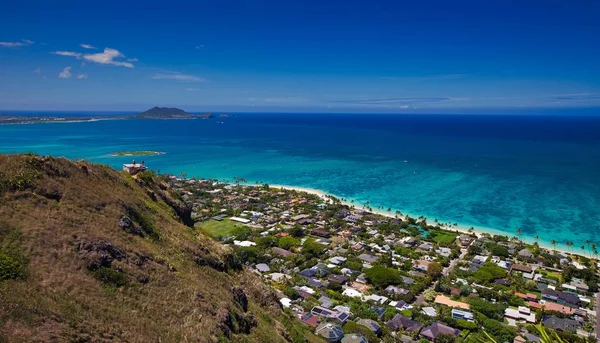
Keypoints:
(519, 233)
(583, 249)
(569, 244)
(553, 242)
(537, 238)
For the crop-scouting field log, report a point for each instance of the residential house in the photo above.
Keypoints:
(560, 324)
(401, 322)
(339, 279)
(379, 310)
(354, 338)
(520, 313)
(563, 298)
(282, 252)
(460, 314)
(432, 331)
(520, 268)
(331, 332)
(320, 233)
(310, 319)
(368, 258)
(525, 253)
(263, 268)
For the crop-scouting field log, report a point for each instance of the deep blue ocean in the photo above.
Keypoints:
(538, 173)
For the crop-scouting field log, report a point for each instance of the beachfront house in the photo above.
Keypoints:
(134, 168)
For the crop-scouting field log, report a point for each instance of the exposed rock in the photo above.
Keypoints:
(125, 223)
(240, 297)
(99, 253)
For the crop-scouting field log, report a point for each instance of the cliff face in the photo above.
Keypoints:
(89, 254)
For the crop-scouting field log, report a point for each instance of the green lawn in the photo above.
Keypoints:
(442, 236)
(218, 229)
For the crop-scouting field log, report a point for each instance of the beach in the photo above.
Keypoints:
(462, 229)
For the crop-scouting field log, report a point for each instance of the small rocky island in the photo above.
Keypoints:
(169, 113)
(137, 153)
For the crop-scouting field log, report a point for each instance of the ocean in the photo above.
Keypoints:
(540, 173)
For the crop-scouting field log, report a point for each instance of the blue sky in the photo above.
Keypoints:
(390, 56)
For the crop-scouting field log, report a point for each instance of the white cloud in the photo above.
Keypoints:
(179, 77)
(108, 57)
(67, 53)
(65, 73)
(38, 71)
(87, 46)
(192, 89)
(82, 76)
(199, 47)
(23, 42)
(132, 60)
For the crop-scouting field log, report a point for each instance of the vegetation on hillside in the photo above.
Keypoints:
(89, 254)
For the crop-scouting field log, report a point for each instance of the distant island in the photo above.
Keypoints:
(169, 113)
(137, 153)
(153, 113)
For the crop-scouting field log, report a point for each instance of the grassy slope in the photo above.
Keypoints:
(56, 207)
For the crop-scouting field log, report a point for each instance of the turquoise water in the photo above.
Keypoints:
(539, 173)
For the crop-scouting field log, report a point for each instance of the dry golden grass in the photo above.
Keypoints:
(57, 206)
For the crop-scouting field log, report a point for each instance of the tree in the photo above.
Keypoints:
(297, 231)
(429, 295)
(266, 242)
(490, 310)
(519, 233)
(381, 276)
(288, 242)
(312, 248)
(434, 269)
(553, 242)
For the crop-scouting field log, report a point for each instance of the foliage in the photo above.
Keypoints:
(146, 176)
(381, 276)
(498, 330)
(434, 269)
(466, 325)
(247, 254)
(488, 273)
(311, 248)
(267, 242)
(9, 268)
(288, 242)
(110, 276)
(499, 250)
(490, 310)
(12, 262)
(145, 223)
(445, 338)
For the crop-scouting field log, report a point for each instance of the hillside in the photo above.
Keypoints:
(90, 254)
(168, 113)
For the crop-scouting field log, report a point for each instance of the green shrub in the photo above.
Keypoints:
(145, 223)
(146, 176)
(9, 268)
(111, 277)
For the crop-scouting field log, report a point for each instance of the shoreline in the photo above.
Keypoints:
(460, 228)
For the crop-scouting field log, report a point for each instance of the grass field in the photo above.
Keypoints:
(219, 228)
(443, 236)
